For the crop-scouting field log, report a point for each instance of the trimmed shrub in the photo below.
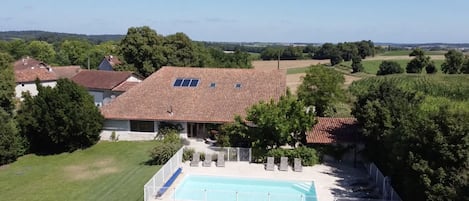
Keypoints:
(187, 154)
(163, 152)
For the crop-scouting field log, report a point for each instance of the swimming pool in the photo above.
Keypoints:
(215, 188)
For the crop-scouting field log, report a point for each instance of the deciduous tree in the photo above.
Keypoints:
(60, 119)
(389, 67)
(321, 88)
(419, 62)
(42, 51)
(453, 62)
(357, 65)
(10, 142)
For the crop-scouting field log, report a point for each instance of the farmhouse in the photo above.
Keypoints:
(27, 70)
(194, 98)
(106, 85)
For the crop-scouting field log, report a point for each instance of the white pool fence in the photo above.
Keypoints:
(158, 180)
(209, 194)
(382, 182)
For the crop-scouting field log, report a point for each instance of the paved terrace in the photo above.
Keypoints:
(330, 180)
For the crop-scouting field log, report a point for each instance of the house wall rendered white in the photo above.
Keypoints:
(31, 87)
(123, 132)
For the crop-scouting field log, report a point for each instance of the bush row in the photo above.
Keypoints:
(309, 156)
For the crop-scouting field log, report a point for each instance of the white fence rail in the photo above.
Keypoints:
(197, 194)
(158, 180)
(232, 153)
(383, 183)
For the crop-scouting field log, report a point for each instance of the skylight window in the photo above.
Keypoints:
(194, 83)
(186, 82)
(213, 85)
(238, 85)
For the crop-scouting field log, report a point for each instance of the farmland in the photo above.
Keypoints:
(106, 171)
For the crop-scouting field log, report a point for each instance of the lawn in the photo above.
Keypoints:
(106, 171)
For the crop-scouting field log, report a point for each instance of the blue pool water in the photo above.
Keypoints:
(210, 188)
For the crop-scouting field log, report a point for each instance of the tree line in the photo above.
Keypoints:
(455, 63)
(335, 52)
(142, 50)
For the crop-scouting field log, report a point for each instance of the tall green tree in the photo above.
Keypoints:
(10, 142)
(7, 83)
(142, 45)
(73, 52)
(419, 62)
(18, 49)
(277, 123)
(366, 48)
(348, 50)
(42, 51)
(60, 119)
(321, 88)
(389, 67)
(465, 66)
(11, 146)
(357, 65)
(453, 62)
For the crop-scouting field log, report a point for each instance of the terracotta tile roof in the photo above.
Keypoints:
(30, 75)
(28, 63)
(113, 60)
(66, 71)
(333, 130)
(125, 86)
(157, 99)
(96, 79)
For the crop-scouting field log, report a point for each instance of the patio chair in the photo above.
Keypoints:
(269, 166)
(297, 167)
(221, 159)
(195, 159)
(208, 160)
(283, 164)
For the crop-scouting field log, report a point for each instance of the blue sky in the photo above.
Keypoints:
(402, 21)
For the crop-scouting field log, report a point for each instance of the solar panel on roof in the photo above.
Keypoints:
(177, 83)
(185, 82)
(194, 83)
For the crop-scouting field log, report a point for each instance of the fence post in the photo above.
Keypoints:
(237, 150)
(250, 155)
(154, 186)
(205, 194)
(228, 155)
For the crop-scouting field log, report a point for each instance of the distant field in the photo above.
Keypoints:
(106, 171)
(407, 52)
(372, 66)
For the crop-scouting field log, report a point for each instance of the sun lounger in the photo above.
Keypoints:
(208, 160)
(195, 159)
(269, 166)
(221, 159)
(297, 167)
(283, 164)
